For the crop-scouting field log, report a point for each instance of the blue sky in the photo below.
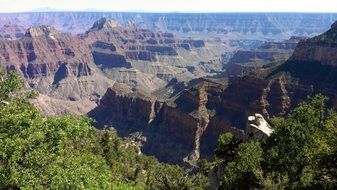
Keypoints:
(173, 5)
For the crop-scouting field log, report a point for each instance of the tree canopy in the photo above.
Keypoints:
(301, 153)
(67, 152)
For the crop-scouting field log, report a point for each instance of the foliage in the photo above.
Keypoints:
(227, 146)
(9, 84)
(48, 153)
(170, 177)
(66, 152)
(301, 153)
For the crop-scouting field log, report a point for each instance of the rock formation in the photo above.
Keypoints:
(258, 125)
(185, 127)
(143, 59)
(56, 64)
(321, 48)
(69, 67)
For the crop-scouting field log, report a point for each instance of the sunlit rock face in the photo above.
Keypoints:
(60, 66)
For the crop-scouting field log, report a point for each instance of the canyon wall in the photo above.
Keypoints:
(284, 25)
(185, 127)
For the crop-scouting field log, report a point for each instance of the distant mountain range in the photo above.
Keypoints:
(251, 25)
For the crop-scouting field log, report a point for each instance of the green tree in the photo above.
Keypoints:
(299, 142)
(241, 172)
(39, 152)
(67, 152)
(9, 85)
(227, 146)
(301, 153)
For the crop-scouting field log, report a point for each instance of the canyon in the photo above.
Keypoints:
(202, 109)
(81, 67)
(173, 82)
(282, 24)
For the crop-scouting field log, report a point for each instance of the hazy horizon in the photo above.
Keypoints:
(186, 6)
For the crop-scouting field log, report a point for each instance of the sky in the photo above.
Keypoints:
(171, 5)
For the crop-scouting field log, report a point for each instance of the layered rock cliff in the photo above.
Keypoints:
(69, 67)
(136, 43)
(56, 64)
(321, 48)
(185, 127)
(121, 105)
(143, 59)
(282, 25)
(172, 128)
(60, 66)
(314, 62)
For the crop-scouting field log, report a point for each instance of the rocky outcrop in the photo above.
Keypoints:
(180, 122)
(108, 60)
(310, 70)
(121, 105)
(103, 23)
(42, 31)
(258, 126)
(43, 51)
(313, 62)
(321, 49)
(195, 43)
(141, 55)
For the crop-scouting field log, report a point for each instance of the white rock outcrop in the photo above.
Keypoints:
(258, 122)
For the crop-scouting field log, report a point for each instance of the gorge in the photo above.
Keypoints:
(172, 81)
